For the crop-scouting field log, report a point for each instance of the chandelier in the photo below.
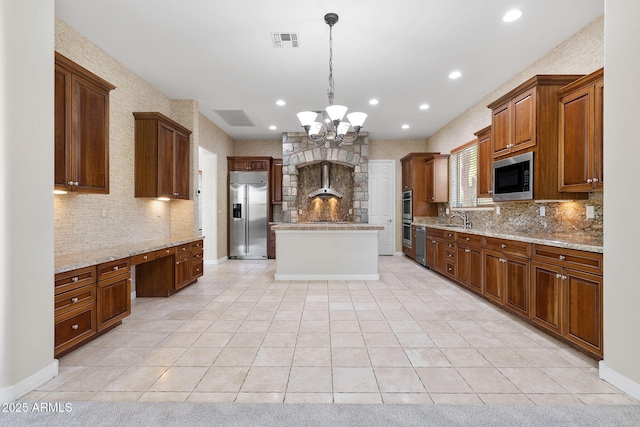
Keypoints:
(331, 126)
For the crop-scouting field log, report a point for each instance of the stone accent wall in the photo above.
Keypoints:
(298, 151)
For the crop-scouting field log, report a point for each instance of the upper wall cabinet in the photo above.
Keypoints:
(414, 178)
(81, 129)
(162, 157)
(485, 163)
(437, 176)
(526, 120)
(580, 143)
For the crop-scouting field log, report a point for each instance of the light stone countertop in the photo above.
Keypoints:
(72, 261)
(569, 241)
(326, 226)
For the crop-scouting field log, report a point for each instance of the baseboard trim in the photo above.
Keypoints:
(327, 276)
(616, 379)
(216, 261)
(11, 393)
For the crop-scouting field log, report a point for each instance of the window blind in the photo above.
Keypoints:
(463, 169)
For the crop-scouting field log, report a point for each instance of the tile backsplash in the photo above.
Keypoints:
(524, 217)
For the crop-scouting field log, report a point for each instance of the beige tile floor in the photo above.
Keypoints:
(413, 337)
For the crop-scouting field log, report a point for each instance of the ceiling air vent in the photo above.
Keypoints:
(235, 117)
(284, 40)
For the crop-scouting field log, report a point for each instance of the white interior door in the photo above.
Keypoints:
(382, 202)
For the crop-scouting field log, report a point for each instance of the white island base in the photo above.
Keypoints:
(327, 252)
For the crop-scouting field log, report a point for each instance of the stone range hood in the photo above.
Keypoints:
(325, 189)
(298, 152)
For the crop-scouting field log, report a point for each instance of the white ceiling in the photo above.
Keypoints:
(220, 53)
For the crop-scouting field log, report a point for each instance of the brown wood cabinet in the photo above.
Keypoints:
(75, 308)
(567, 295)
(557, 289)
(162, 157)
(81, 155)
(580, 142)
(414, 178)
(469, 261)
(437, 176)
(276, 181)
(113, 293)
(256, 164)
(526, 120)
(436, 250)
(271, 242)
(485, 163)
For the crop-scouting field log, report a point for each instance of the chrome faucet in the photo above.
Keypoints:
(464, 217)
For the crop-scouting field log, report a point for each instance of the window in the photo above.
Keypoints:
(463, 168)
(463, 179)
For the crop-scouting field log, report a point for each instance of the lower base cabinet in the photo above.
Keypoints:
(113, 300)
(559, 290)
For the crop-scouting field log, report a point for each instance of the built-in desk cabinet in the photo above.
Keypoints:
(92, 300)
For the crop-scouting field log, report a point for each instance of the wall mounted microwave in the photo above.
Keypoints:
(513, 178)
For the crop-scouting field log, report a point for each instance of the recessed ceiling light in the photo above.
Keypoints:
(455, 74)
(373, 102)
(405, 126)
(280, 102)
(273, 127)
(512, 15)
(424, 107)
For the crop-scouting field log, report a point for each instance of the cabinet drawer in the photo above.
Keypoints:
(586, 261)
(142, 258)
(469, 239)
(113, 268)
(196, 256)
(165, 252)
(435, 233)
(508, 246)
(450, 256)
(450, 245)
(75, 298)
(450, 235)
(74, 279)
(197, 270)
(74, 327)
(197, 245)
(183, 248)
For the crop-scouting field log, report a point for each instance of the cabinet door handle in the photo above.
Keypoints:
(167, 251)
(197, 269)
(74, 300)
(74, 327)
(433, 241)
(144, 257)
(490, 191)
(70, 183)
(589, 181)
(74, 279)
(564, 277)
(115, 268)
(562, 257)
(503, 246)
(467, 239)
(558, 276)
(503, 260)
(184, 249)
(595, 180)
(467, 250)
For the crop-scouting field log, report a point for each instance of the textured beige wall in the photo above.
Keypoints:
(79, 224)
(262, 147)
(581, 53)
(395, 149)
(213, 139)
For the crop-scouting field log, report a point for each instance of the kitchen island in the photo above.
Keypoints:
(327, 251)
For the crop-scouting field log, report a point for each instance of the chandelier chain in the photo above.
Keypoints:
(331, 90)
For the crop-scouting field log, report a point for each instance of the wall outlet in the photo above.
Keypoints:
(591, 212)
(497, 210)
(300, 212)
(104, 213)
(446, 211)
(542, 211)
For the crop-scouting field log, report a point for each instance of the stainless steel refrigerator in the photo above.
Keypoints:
(248, 214)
